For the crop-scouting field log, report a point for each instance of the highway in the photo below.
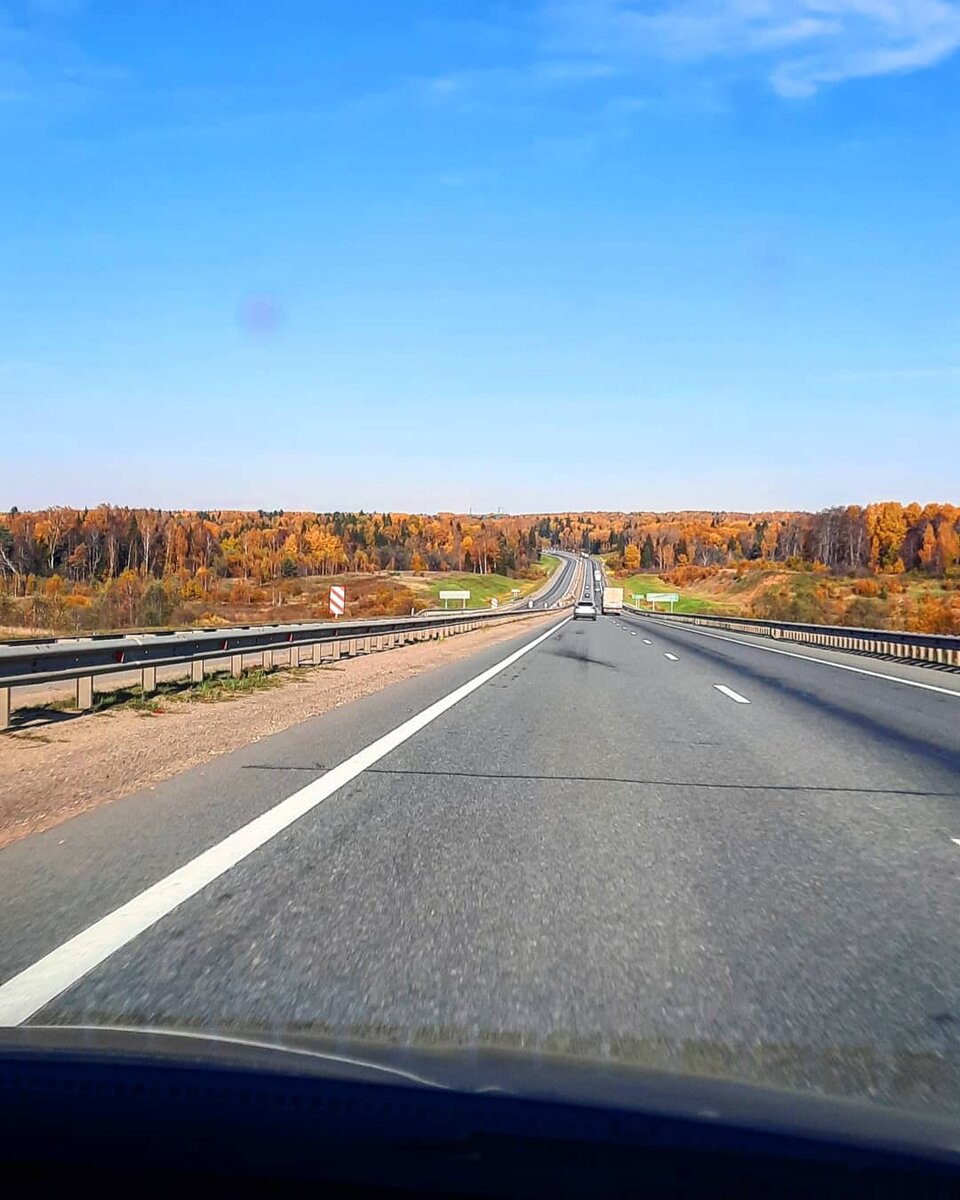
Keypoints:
(26, 696)
(619, 838)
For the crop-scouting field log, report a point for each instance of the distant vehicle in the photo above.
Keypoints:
(612, 601)
(585, 610)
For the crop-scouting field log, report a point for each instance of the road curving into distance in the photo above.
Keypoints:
(549, 595)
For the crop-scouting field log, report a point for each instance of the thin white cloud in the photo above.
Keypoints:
(799, 46)
(487, 87)
(43, 71)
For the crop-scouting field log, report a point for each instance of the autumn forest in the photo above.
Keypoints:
(64, 569)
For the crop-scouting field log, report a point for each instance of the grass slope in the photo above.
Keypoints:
(484, 587)
(688, 602)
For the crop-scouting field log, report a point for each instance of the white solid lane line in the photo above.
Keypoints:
(731, 693)
(672, 657)
(825, 662)
(28, 992)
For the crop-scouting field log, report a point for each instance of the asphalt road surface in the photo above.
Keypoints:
(634, 840)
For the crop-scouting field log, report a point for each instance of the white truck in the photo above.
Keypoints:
(612, 600)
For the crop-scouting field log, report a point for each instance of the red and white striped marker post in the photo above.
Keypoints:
(338, 597)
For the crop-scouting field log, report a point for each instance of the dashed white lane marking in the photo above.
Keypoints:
(647, 642)
(731, 693)
(957, 840)
(672, 657)
(632, 634)
(34, 987)
(826, 662)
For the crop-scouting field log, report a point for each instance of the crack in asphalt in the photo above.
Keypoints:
(672, 783)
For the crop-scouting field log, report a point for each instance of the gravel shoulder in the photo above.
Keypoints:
(52, 772)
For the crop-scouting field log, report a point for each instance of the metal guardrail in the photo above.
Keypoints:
(81, 660)
(923, 648)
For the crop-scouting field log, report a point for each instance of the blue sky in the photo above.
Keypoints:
(540, 255)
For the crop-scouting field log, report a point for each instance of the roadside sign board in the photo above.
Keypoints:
(338, 599)
(666, 597)
(453, 594)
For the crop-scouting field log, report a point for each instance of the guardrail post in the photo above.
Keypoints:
(196, 671)
(236, 665)
(294, 656)
(317, 653)
(4, 708)
(148, 680)
(85, 692)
